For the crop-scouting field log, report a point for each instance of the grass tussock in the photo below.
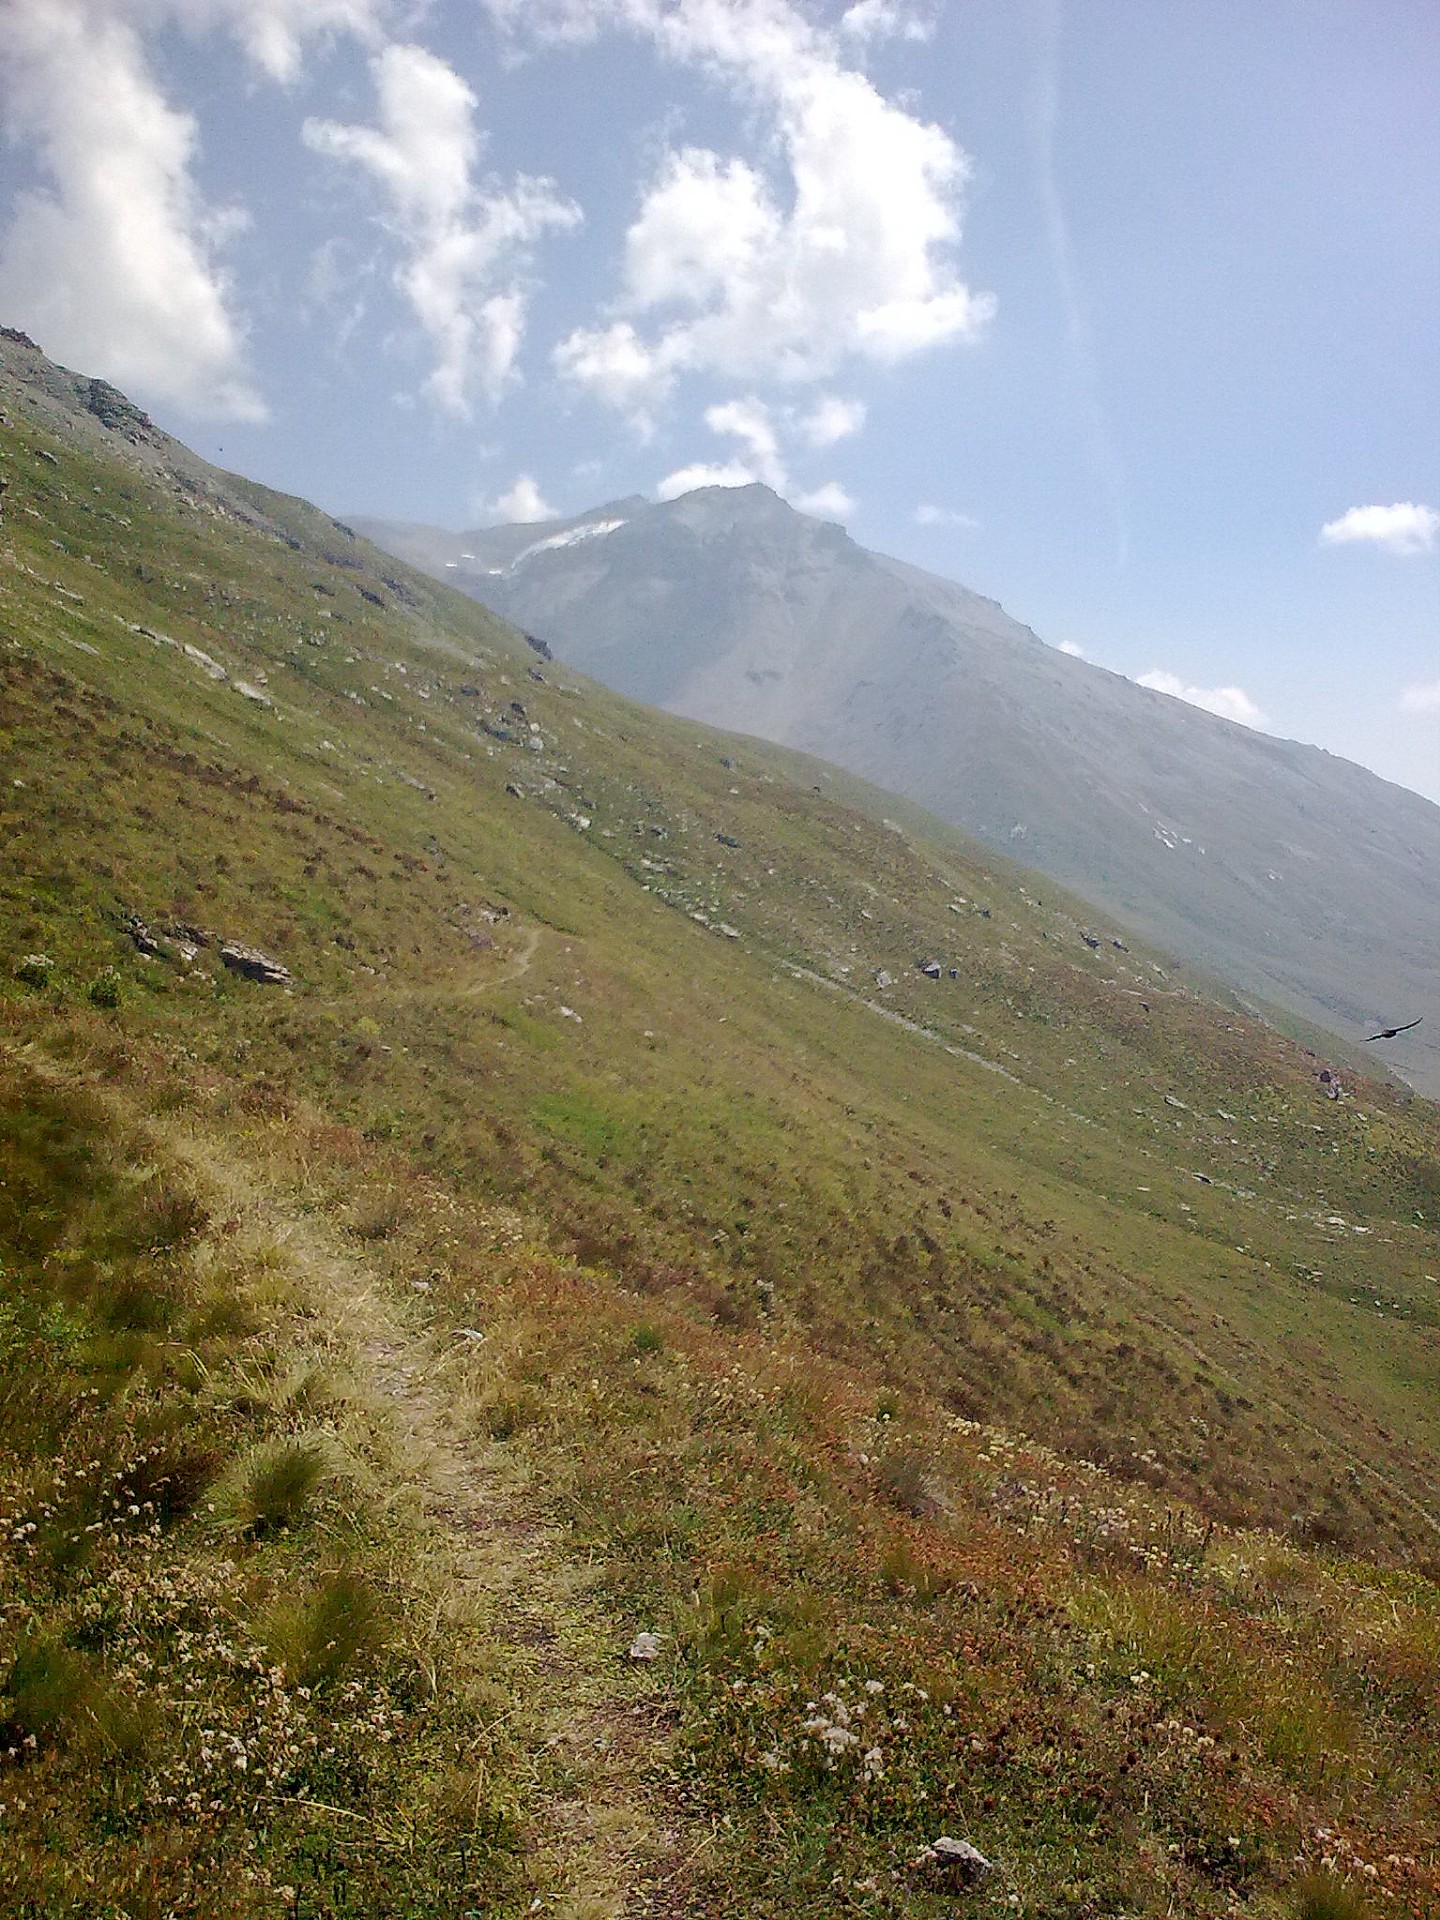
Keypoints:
(271, 1486)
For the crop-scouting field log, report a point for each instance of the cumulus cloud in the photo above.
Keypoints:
(728, 270)
(523, 502)
(759, 431)
(830, 419)
(272, 32)
(1231, 703)
(1404, 528)
(750, 423)
(830, 502)
(886, 20)
(730, 473)
(1423, 697)
(115, 264)
(927, 514)
(466, 245)
(1077, 652)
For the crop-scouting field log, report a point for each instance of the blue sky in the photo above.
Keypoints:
(1123, 313)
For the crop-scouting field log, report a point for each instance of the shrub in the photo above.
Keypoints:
(647, 1339)
(105, 990)
(34, 970)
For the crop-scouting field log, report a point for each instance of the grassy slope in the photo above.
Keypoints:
(823, 1229)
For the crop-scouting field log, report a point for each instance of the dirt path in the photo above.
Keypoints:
(517, 965)
(604, 1844)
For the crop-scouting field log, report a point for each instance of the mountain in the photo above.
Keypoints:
(598, 1317)
(1299, 878)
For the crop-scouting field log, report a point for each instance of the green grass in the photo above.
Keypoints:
(994, 1341)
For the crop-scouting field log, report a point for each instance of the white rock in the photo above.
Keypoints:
(645, 1646)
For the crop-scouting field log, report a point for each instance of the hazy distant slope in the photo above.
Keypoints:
(1297, 876)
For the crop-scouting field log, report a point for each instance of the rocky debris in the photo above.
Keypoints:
(931, 969)
(115, 412)
(144, 941)
(727, 839)
(645, 1646)
(534, 673)
(1120, 946)
(257, 694)
(538, 646)
(251, 964)
(1091, 942)
(513, 791)
(375, 599)
(884, 979)
(957, 1860)
(205, 663)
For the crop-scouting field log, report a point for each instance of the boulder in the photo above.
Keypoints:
(957, 1861)
(251, 964)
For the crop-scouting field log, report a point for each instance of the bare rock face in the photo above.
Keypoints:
(251, 964)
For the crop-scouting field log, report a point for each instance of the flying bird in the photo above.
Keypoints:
(1390, 1032)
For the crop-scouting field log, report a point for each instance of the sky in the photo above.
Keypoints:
(1126, 314)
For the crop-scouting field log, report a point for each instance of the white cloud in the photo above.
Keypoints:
(830, 502)
(929, 515)
(467, 245)
(749, 422)
(1423, 697)
(687, 479)
(272, 32)
(1404, 528)
(1230, 703)
(753, 424)
(726, 273)
(886, 20)
(115, 266)
(1077, 652)
(523, 502)
(832, 418)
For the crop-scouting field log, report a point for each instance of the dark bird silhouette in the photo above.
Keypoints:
(1390, 1032)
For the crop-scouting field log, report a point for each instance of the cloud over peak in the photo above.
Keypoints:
(759, 431)
(1230, 703)
(1404, 528)
(728, 271)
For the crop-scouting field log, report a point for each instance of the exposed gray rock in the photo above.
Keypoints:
(957, 1860)
(253, 965)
